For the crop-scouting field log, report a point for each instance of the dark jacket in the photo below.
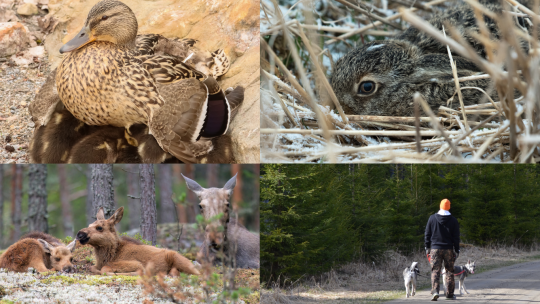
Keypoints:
(442, 232)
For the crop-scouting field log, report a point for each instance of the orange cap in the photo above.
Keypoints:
(445, 204)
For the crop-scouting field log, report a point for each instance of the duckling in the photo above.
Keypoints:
(212, 64)
(108, 145)
(122, 88)
(52, 143)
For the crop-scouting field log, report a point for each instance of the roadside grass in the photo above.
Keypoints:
(361, 282)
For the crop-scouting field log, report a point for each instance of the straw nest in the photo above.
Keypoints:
(303, 121)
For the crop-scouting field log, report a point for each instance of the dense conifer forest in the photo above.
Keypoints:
(315, 217)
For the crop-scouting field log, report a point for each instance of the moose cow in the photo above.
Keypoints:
(117, 255)
(224, 234)
(40, 251)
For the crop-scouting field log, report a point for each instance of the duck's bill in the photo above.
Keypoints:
(82, 38)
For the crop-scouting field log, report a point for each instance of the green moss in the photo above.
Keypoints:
(253, 298)
(91, 280)
(137, 237)
(6, 302)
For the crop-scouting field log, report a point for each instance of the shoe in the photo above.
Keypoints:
(435, 297)
(450, 298)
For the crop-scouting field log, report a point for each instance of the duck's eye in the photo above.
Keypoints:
(366, 87)
(99, 228)
(104, 17)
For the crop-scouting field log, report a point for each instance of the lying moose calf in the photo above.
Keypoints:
(40, 251)
(125, 256)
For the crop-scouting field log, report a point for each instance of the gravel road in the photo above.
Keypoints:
(519, 283)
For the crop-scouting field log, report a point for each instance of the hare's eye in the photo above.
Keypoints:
(366, 87)
(104, 17)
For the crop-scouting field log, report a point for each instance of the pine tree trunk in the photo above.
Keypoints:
(37, 198)
(67, 216)
(237, 193)
(181, 209)
(90, 214)
(2, 239)
(134, 204)
(191, 198)
(17, 201)
(148, 203)
(212, 175)
(257, 197)
(166, 204)
(102, 188)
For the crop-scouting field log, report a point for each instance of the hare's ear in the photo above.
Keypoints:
(437, 68)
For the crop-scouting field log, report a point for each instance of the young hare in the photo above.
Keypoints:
(381, 77)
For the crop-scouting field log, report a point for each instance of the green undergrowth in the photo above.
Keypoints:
(91, 280)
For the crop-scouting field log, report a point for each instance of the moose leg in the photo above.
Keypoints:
(180, 263)
(122, 268)
(39, 266)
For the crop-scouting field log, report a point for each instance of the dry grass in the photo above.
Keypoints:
(382, 279)
(302, 121)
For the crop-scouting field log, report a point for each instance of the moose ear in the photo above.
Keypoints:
(46, 246)
(193, 185)
(100, 215)
(117, 216)
(71, 246)
(229, 186)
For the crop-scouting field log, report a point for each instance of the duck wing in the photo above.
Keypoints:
(47, 100)
(177, 124)
(169, 69)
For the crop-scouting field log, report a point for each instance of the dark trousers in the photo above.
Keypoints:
(438, 256)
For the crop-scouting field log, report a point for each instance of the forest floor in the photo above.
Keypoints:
(83, 287)
(369, 283)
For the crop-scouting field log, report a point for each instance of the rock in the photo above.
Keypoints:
(28, 56)
(27, 9)
(219, 24)
(13, 38)
(7, 15)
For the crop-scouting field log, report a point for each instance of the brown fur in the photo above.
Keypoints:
(34, 251)
(224, 234)
(41, 235)
(124, 256)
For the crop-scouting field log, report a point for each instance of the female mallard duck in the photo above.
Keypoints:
(105, 80)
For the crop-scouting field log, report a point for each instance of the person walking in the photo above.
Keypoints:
(442, 245)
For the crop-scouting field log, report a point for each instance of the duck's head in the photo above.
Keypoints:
(108, 20)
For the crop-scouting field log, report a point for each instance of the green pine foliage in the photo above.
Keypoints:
(317, 217)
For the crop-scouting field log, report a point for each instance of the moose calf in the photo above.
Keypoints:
(233, 238)
(125, 256)
(41, 251)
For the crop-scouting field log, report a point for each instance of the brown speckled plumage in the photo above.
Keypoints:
(111, 80)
